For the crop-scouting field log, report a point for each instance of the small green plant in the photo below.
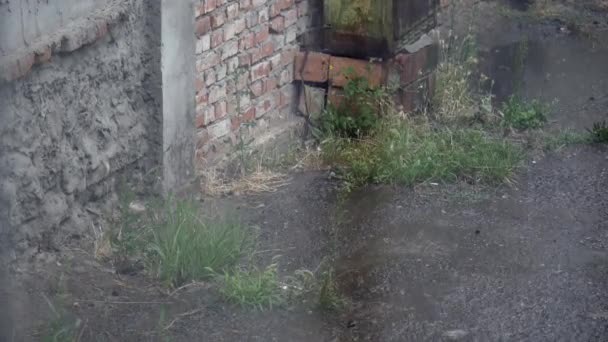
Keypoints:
(599, 132)
(126, 236)
(520, 114)
(253, 288)
(184, 247)
(330, 298)
(320, 289)
(243, 148)
(359, 111)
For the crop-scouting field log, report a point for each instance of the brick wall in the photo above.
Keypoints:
(245, 53)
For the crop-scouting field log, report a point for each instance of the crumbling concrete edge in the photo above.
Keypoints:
(76, 34)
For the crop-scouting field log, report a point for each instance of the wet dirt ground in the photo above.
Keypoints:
(527, 261)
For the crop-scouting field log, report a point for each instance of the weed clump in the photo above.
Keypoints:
(177, 245)
(184, 247)
(329, 296)
(599, 132)
(403, 153)
(454, 96)
(253, 288)
(522, 115)
(321, 287)
(357, 113)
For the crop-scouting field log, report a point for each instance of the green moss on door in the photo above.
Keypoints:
(371, 18)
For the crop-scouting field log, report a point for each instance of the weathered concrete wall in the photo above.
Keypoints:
(24, 21)
(244, 62)
(178, 74)
(71, 127)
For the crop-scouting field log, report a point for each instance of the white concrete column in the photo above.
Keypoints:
(178, 77)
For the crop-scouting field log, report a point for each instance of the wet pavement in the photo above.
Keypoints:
(527, 261)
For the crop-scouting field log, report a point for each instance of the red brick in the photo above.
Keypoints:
(200, 120)
(202, 99)
(217, 19)
(263, 107)
(217, 38)
(247, 41)
(102, 29)
(208, 59)
(220, 110)
(287, 56)
(262, 35)
(43, 55)
(340, 67)
(200, 84)
(415, 65)
(245, 59)
(209, 6)
(245, 4)
(232, 11)
(316, 68)
(263, 15)
(286, 97)
(267, 49)
(203, 25)
(270, 84)
(285, 4)
(239, 26)
(275, 10)
(247, 116)
(277, 24)
(257, 89)
(203, 139)
(199, 10)
(235, 123)
(264, 51)
(291, 17)
(260, 70)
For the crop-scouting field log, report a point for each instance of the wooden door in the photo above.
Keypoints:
(356, 25)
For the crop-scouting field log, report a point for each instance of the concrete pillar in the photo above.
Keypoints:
(178, 73)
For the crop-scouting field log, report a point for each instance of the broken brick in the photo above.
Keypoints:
(312, 67)
(341, 68)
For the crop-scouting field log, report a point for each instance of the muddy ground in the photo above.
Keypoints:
(526, 261)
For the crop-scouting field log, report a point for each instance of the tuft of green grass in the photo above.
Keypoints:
(184, 247)
(253, 288)
(566, 138)
(599, 132)
(520, 114)
(404, 153)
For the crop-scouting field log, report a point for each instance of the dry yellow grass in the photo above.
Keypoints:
(256, 182)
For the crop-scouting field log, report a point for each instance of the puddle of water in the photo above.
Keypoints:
(566, 70)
